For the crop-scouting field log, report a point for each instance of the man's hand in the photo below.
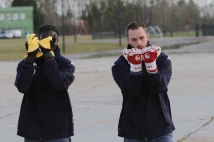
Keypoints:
(45, 45)
(39, 53)
(134, 57)
(150, 55)
(32, 48)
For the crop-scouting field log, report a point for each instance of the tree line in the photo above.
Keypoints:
(110, 15)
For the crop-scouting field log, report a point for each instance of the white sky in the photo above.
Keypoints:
(74, 6)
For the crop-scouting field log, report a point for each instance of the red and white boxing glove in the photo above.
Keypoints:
(134, 57)
(150, 55)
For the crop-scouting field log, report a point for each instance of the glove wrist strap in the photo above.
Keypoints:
(30, 59)
(136, 67)
(48, 55)
(151, 67)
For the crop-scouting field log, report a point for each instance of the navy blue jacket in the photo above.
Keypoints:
(145, 110)
(46, 111)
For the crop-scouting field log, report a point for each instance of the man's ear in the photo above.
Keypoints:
(127, 40)
(57, 41)
(148, 35)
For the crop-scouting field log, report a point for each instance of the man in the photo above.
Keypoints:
(44, 77)
(143, 74)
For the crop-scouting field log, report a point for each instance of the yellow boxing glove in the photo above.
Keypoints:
(45, 45)
(32, 47)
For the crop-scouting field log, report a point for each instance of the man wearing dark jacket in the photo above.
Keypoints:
(143, 74)
(44, 77)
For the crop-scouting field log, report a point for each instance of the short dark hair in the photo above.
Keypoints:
(47, 28)
(135, 25)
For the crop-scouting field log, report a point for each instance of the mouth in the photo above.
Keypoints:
(140, 47)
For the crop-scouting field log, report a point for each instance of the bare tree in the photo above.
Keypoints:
(49, 8)
(5, 3)
(207, 12)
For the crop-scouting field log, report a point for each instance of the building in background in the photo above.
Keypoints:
(17, 18)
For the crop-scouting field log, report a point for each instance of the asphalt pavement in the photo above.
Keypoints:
(97, 100)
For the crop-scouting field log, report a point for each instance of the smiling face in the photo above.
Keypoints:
(137, 38)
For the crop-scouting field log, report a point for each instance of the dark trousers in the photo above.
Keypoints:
(164, 138)
(54, 140)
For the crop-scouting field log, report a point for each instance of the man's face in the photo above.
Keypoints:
(47, 34)
(137, 38)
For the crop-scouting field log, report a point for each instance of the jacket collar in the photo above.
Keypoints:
(57, 53)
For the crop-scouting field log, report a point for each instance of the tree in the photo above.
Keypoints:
(36, 13)
(49, 10)
(5, 3)
(92, 14)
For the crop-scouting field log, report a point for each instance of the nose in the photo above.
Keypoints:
(139, 42)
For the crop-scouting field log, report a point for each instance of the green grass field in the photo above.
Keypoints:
(12, 49)
(182, 34)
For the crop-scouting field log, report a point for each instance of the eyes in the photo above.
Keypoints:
(134, 39)
(141, 37)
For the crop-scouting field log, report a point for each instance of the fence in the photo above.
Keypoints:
(204, 29)
(153, 31)
(207, 29)
(101, 35)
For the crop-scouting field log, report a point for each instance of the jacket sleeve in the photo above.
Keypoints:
(158, 82)
(129, 84)
(60, 74)
(24, 76)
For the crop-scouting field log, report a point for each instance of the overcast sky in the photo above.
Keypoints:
(201, 3)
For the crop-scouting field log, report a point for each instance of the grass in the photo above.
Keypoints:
(90, 47)
(182, 34)
(13, 49)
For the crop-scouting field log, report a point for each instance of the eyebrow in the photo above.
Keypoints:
(136, 38)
